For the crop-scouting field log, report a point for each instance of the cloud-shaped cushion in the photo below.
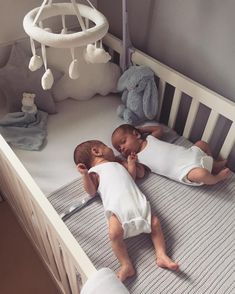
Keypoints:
(16, 78)
(93, 78)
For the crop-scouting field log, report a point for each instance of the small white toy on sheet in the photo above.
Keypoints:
(140, 95)
(28, 104)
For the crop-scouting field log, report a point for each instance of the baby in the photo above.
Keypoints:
(191, 166)
(127, 211)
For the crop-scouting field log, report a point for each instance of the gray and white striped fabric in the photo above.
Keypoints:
(198, 225)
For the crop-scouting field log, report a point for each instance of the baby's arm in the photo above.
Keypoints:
(140, 170)
(135, 169)
(90, 180)
(156, 131)
(131, 165)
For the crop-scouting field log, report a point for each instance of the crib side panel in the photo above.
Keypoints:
(218, 105)
(60, 252)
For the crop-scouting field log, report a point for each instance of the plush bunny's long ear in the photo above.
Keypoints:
(150, 100)
(122, 82)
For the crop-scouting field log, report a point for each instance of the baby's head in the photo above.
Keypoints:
(87, 151)
(127, 139)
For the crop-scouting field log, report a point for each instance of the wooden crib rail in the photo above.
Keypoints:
(218, 105)
(65, 259)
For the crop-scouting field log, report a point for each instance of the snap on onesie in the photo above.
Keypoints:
(121, 196)
(173, 161)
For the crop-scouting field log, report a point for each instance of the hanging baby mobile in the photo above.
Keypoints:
(89, 37)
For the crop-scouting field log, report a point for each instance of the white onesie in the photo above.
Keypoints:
(121, 196)
(173, 161)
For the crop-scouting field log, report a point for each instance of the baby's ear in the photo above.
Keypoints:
(95, 151)
(137, 134)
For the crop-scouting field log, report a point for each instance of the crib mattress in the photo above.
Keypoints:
(76, 121)
(198, 224)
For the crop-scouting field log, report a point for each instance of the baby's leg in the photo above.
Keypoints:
(204, 147)
(119, 249)
(202, 175)
(218, 165)
(163, 260)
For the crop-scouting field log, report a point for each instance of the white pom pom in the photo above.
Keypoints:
(35, 62)
(47, 80)
(96, 55)
(73, 70)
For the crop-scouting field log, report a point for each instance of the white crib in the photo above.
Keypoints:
(60, 251)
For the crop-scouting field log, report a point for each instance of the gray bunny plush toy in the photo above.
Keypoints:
(140, 95)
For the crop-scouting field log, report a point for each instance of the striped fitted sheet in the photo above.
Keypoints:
(198, 225)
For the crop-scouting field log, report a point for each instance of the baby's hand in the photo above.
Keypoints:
(82, 168)
(132, 158)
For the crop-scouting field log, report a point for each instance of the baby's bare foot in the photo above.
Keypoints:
(223, 174)
(165, 262)
(126, 271)
(218, 166)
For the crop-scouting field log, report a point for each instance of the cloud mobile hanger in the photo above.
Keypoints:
(90, 37)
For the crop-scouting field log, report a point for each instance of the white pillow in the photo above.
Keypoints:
(94, 78)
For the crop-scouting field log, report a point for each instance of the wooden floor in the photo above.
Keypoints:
(21, 270)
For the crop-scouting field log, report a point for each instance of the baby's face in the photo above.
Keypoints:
(107, 153)
(126, 143)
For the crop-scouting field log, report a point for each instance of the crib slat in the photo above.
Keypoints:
(71, 271)
(39, 230)
(210, 126)
(58, 256)
(16, 202)
(30, 217)
(161, 92)
(11, 190)
(111, 52)
(228, 142)
(51, 256)
(47, 245)
(191, 118)
(42, 232)
(174, 108)
(87, 23)
(27, 211)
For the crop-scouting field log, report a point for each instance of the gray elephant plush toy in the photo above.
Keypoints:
(140, 95)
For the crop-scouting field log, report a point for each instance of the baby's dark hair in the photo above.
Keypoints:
(126, 129)
(83, 154)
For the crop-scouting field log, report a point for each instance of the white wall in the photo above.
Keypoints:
(11, 16)
(196, 37)
(12, 13)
